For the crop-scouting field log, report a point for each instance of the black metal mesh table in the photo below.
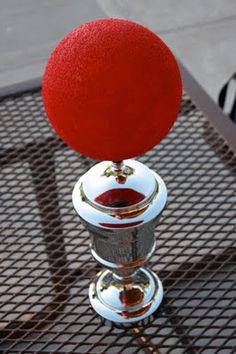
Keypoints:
(46, 265)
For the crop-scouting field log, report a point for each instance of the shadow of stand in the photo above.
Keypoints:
(44, 182)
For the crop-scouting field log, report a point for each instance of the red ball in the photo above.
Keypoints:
(112, 89)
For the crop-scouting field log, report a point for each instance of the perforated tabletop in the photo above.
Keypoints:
(46, 265)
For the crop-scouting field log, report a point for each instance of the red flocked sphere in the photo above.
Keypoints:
(111, 89)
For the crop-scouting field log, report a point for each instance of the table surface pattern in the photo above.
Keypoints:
(46, 265)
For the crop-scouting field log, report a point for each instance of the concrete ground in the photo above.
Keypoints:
(201, 33)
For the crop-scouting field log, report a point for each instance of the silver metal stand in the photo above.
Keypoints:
(120, 203)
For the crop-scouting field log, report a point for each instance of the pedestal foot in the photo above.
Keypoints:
(126, 300)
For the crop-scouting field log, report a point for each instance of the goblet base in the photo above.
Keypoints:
(126, 299)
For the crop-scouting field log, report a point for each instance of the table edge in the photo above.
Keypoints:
(221, 122)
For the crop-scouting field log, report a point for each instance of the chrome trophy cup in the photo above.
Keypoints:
(120, 204)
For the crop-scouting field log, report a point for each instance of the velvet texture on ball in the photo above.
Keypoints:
(111, 89)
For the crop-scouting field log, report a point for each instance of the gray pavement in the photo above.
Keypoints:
(201, 33)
